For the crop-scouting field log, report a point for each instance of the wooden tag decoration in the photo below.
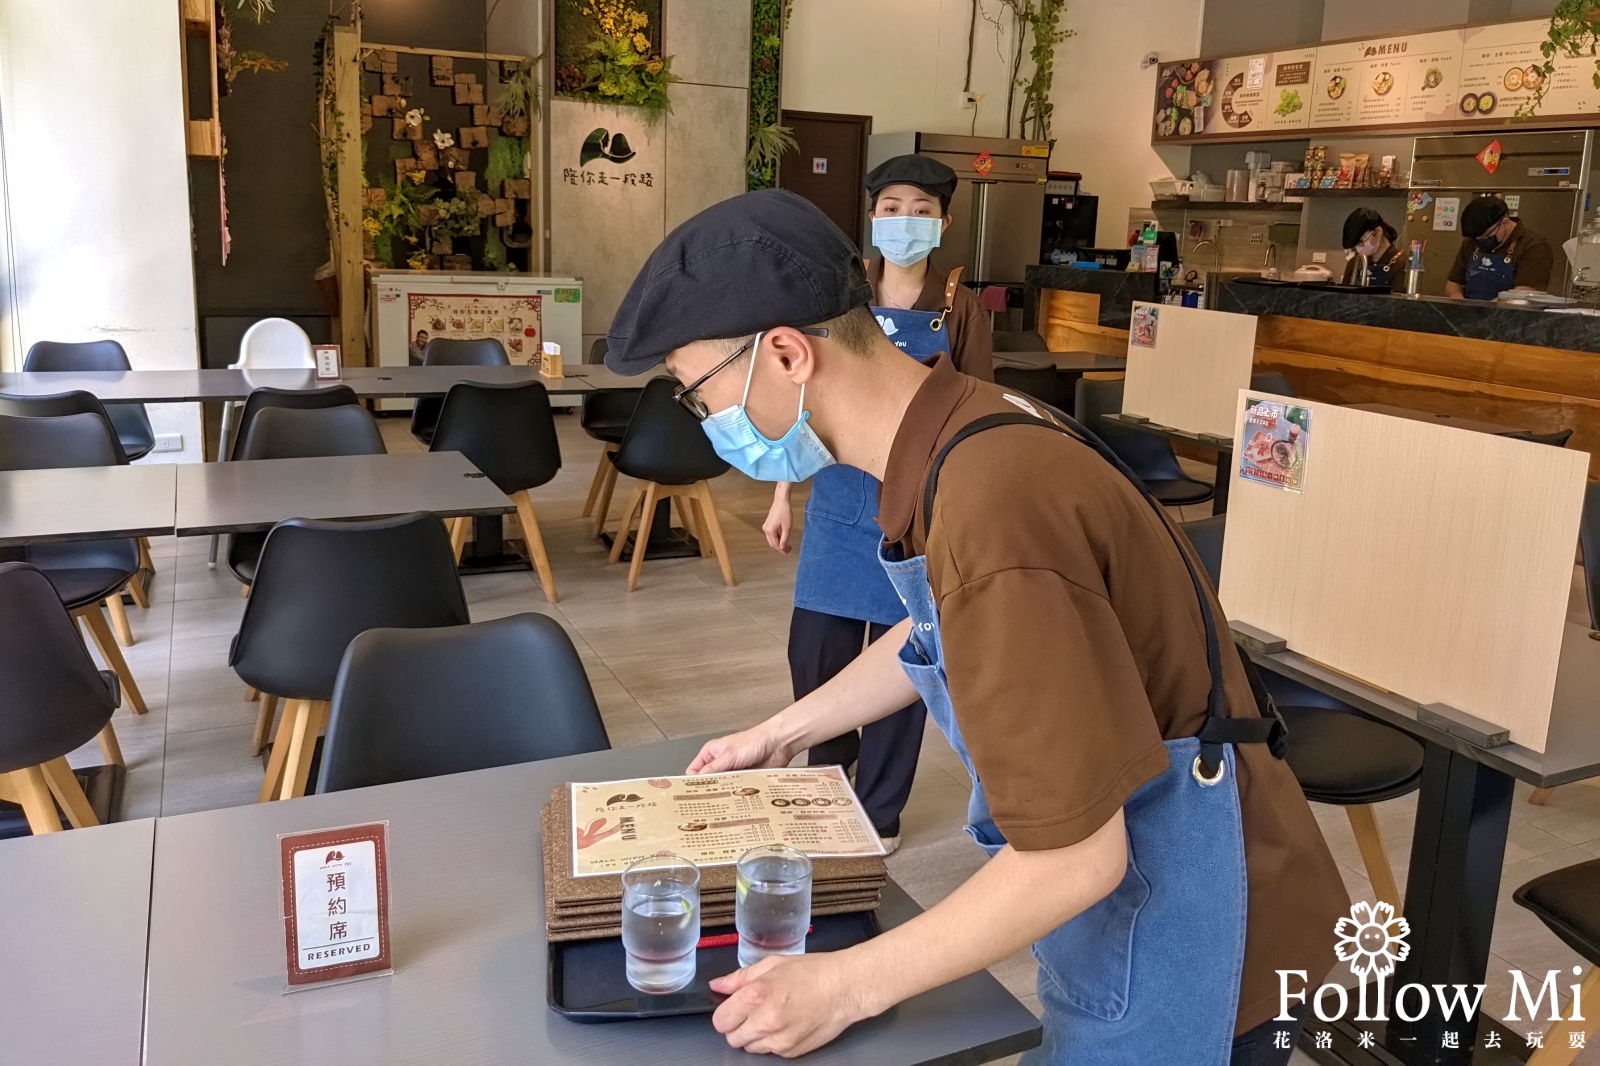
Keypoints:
(335, 903)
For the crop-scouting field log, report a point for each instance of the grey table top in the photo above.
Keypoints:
(86, 503)
(601, 379)
(111, 386)
(74, 913)
(467, 917)
(375, 382)
(1572, 751)
(1080, 361)
(1491, 428)
(259, 493)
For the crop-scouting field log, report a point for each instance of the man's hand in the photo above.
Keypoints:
(755, 748)
(780, 520)
(788, 1005)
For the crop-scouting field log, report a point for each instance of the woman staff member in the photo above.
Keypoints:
(1497, 253)
(842, 599)
(1367, 234)
(1144, 837)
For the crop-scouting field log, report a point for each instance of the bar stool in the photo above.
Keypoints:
(52, 701)
(1339, 755)
(1567, 901)
(669, 456)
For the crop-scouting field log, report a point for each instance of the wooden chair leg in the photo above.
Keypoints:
(458, 535)
(251, 694)
(297, 766)
(68, 793)
(534, 539)
(637, 495)
(607, 487)
(110, 750)
(119, 619)
(1557, 1049)
(263, 730)
(708, 514)
(29, 789)
(1365, 826)
(136, 589)
(1541, 796)
(293, 710)
(94, 618)
(244, 592)
(646, 520)
(707, 550)
(597, 482)
(145, 561)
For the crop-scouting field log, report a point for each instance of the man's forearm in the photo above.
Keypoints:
(1013, 900)
(873, 686)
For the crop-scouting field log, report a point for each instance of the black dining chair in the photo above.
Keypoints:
(1025, 340)
(413, 703)
(131, 420)
(1339, 755)
(1558, 439)
(604, 417)
(509, 433)
(451, 351)
(670, 457)
(266, 398)
(1567, 901)
(1043, 383)
(1147, 455)
(1271, 381)
(88, 575)
(52, 701)
(318, 586)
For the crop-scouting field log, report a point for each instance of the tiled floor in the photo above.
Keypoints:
(686, 655)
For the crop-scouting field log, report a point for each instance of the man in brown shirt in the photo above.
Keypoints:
(1073, 639)
(1497, 253)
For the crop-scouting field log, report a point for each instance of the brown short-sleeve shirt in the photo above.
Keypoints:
(967, 324)
(1532, 259)
(1074, 646)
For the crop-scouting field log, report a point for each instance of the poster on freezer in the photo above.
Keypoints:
(514, 321)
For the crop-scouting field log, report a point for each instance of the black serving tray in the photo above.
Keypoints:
(588, 979)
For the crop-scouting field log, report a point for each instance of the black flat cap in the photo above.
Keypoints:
(1480, 214)
(929, 175)
(759, 260)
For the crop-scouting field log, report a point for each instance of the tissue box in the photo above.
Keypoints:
(550, 360)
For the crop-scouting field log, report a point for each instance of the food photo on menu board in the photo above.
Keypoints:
(712, 819)
(1239, 95)
(514, 321)
(1276, 438)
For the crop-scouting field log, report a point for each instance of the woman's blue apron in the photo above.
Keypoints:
(838, 572)
(1151, 973)
(1489, 274)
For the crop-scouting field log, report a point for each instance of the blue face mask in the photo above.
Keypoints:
(795, 456)
(906, 240)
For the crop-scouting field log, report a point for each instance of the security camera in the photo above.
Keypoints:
(1150, 60)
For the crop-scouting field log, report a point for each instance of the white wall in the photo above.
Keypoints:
(97, 187)
(903, 62)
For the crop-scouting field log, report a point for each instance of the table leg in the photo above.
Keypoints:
(665, 541)
(486, 552)
(1219, 485)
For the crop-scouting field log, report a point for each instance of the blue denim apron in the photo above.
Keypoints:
(1150, 973)
(1489, 274)
(838, 572)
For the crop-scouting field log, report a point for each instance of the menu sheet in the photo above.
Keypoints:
(712, 819)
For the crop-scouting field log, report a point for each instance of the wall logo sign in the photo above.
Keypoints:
(603, 144)
(983, 164)
(1490, 156)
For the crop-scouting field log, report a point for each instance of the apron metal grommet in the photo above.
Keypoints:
(1200, 776)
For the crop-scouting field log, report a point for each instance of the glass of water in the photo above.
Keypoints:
(772, 907)
(661, 921)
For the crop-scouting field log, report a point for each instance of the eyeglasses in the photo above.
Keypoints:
(690, 400)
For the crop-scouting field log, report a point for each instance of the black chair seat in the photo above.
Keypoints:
(133, 429)
(1178, 491)
(1568, 901)
(608, 432)
(244, 552)
(79, 587)
(1346, 758)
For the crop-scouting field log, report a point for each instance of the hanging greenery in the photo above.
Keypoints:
(1574, 33)
(507, 159)
(330, 123)
(519, 91)
(768, 139)
(607, 52)
(1040, 21)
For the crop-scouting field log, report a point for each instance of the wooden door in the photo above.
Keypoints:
(829, 165)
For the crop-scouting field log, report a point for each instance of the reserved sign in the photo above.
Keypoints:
(328, 363)
(336, 903)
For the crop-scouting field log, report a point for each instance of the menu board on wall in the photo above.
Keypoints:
(1439, 78)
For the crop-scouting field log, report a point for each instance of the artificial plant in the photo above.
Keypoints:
(619, 63)
(768, 138)
(1574, 32)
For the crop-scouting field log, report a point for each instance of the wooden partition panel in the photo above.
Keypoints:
(1429, 561)
(1186, 366)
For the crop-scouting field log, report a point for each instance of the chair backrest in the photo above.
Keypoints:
(1589, 541)
(664, 443)
(1271, 381)
(52, 699)
(1019, 341)
(413, 703)
(598, 350)
(1040, 382)
(298, 399)
(54, 356)
(1205, 535)
(1147, 455)
(53, 443)
(288, 433)
(1558, 439)
(507, 431)
(275, 344)
(456, 351)
(321, 584)
(608, 407)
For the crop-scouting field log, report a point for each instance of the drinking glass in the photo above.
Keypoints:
(772, 908)
(661, 921)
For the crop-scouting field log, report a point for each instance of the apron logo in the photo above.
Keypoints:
(886, 324)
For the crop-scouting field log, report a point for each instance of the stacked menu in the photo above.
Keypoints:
(595, 831)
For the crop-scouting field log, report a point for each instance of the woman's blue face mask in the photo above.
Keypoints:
(795, 456)
(906, 240)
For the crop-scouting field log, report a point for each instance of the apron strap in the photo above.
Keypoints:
(952, 282)
(1220, 729)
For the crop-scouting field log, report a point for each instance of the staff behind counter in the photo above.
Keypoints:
(1497, 253)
